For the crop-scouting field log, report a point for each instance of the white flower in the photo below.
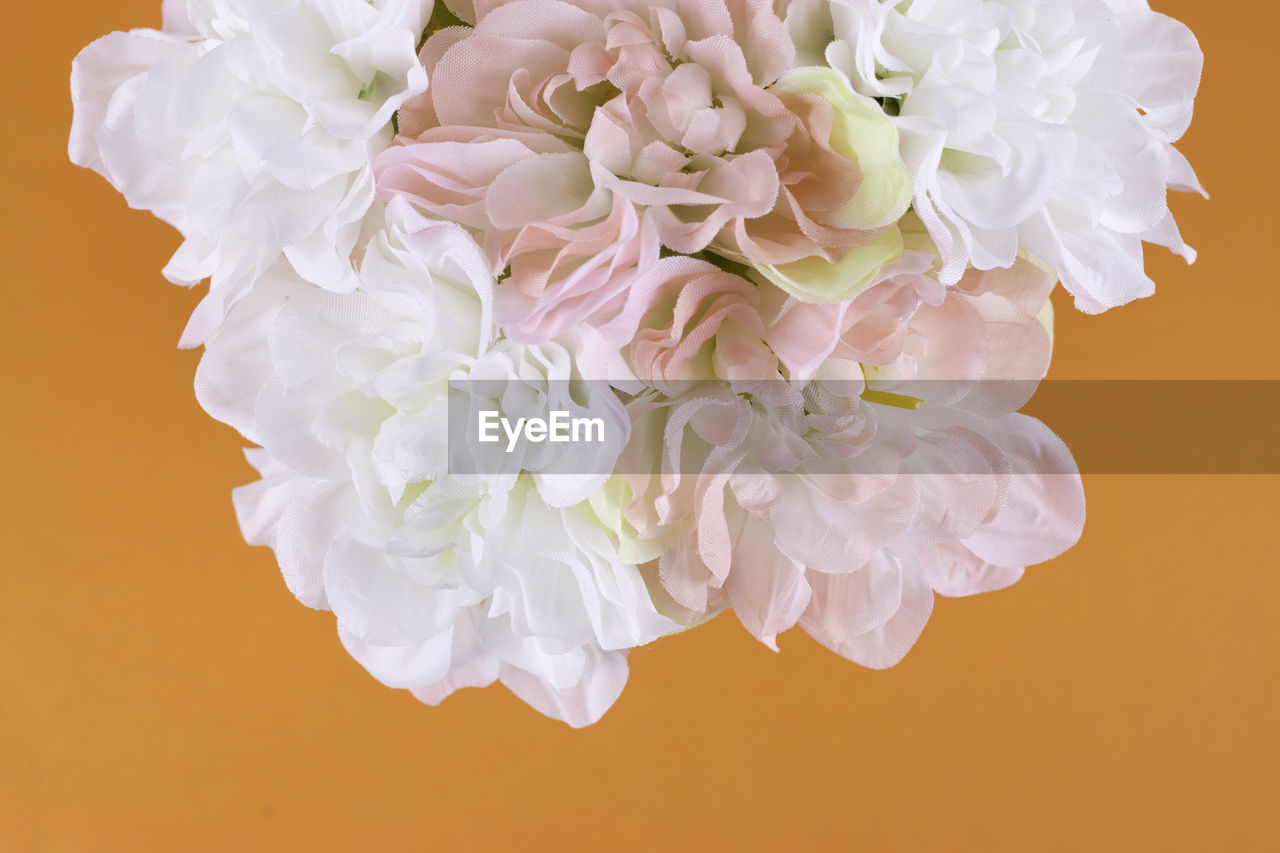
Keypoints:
(437, 581)
(249, 125)
(1045, 124)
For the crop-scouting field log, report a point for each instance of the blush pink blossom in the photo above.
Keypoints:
(835, 504)
(703, 325)
(577, 139)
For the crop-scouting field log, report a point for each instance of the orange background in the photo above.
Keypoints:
(163, 691)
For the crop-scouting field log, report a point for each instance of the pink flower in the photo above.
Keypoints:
(578, 138)
(841, 504)
(870, 328)
(704, 325)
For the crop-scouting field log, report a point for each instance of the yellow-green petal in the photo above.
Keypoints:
(864, 134)
(816, 281)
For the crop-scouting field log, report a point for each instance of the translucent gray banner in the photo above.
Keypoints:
(969, 427)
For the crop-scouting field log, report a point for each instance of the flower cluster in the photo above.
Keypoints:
(789, 260)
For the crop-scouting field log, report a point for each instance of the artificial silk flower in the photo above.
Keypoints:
(437, 581)
(1045, 125)
(829, 504)
(793, 258)
(580, 140)
(250, 127)
(704, 325)
(864, 135)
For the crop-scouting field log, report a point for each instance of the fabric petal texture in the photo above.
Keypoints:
(561, 326)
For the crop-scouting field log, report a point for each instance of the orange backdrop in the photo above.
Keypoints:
(163, 691)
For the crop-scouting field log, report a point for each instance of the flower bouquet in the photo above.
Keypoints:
(564, 325)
